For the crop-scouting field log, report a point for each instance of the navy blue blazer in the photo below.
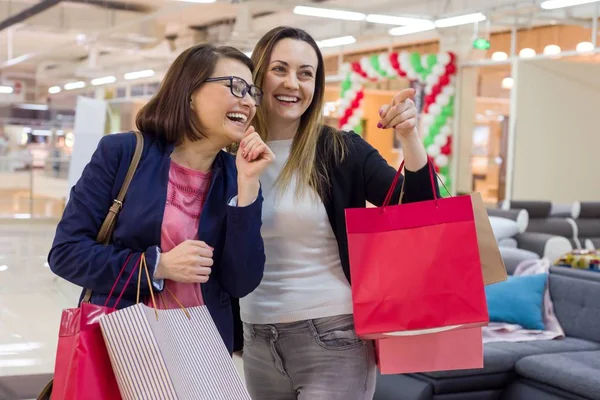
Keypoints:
(234, 232)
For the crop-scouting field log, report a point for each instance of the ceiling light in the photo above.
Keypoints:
(393, 20)
(499, 56)
(338, 41)
(6, 89)
(554, 4)
(459, 20)
(584, 47)
(552, 50)
(74, 85)
(3, 268)
(17, 362)
(103, 81)
(508, 82)
(54, 90)
(37, 107)
(407, 30)
(139, 74)
(329, 13)
(527, 52)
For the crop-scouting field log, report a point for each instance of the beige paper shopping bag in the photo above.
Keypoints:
(492, 265)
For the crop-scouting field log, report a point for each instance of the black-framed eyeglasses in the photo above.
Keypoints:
(239, 87)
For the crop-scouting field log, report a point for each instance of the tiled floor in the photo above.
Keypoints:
(31, 301)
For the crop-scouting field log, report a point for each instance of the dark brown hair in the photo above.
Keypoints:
(302, 161)
(168, 116)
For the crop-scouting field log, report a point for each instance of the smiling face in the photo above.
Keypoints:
(289, 81)
(220, 115)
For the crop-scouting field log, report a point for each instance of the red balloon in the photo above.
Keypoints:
(360, 95)
(393, 58)
(426, 108)
(437, 168)
(444, 80)
(348, 113)
(435, 90)
(354, 104)
(343, 121)
(446, 150)
(452, 57)
(356, 67)
(450, 69)
(429, 99)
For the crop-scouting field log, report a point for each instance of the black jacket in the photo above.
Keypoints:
(362, 176)
(365, 176)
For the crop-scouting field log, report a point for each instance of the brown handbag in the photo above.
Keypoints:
(106, 230)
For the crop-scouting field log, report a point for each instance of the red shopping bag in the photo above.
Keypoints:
(441, 351)
(82, 369)
(415, 266)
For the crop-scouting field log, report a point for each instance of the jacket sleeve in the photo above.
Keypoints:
(75, 255)
(243, 257)
(379, 176)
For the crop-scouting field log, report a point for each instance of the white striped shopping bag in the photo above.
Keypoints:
(171, 357)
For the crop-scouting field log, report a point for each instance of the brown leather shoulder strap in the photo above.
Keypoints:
(108, 225)
(106, 230)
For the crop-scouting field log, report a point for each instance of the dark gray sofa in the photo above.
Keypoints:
(538, 370)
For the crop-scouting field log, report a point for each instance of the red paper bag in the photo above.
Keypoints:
(442, 351)
(415, 266)
(82, 369)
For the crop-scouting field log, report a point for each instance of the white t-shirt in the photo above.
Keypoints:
(303, 276)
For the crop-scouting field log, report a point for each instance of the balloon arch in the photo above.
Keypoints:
(435, 72)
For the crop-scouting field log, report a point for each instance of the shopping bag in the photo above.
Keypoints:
(448, 350)
(492, 264)
(415, 266)
(170, 354)
(82, 368)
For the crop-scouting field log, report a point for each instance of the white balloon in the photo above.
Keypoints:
(445, 131)
(434, 150)
(449, 90)
(441, 160)
(345, 103)
(428, 119)
(431, 80)
(428, 89)
(345, 69)
(443, 99)
(438, 70)
(443, 58)
(435, 109)
(404, 59)
(350, 94)
(355, 78)
(354, 120)
(440, 140)
(412, 75)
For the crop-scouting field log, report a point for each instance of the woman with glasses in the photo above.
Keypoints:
(178, 210)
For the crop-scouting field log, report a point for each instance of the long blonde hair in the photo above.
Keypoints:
(302, 162)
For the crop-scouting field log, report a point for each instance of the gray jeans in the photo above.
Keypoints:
(320, 359)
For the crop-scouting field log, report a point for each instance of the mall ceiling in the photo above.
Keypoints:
(57, 41)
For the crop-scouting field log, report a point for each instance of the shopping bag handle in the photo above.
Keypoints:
(390, 192)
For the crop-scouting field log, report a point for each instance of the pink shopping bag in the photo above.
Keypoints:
(442, 351)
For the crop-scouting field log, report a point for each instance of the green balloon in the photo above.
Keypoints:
(445, 170)
(427, 141)
(374, 59)
(451, 102)
(434, 130)
(440, 120)
(431, 61)
(447, 111)
(358, 129)
(415, 61)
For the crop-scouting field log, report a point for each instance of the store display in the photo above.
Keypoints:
(435, 72)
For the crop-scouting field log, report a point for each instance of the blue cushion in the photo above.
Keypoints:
(518, 300)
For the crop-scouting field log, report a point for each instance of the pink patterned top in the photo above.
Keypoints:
(186, 193)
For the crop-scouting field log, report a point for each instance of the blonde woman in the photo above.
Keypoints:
(299, 338)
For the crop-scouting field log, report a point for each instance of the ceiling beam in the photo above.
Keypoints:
(28, 13)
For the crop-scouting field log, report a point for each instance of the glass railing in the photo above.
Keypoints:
(33, 187)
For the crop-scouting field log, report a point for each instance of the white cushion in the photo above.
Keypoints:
(508, 242)
(522, 221)
(503, 228)
(556, 247)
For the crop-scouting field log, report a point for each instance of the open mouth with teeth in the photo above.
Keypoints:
(288, 99)
(238, 118)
